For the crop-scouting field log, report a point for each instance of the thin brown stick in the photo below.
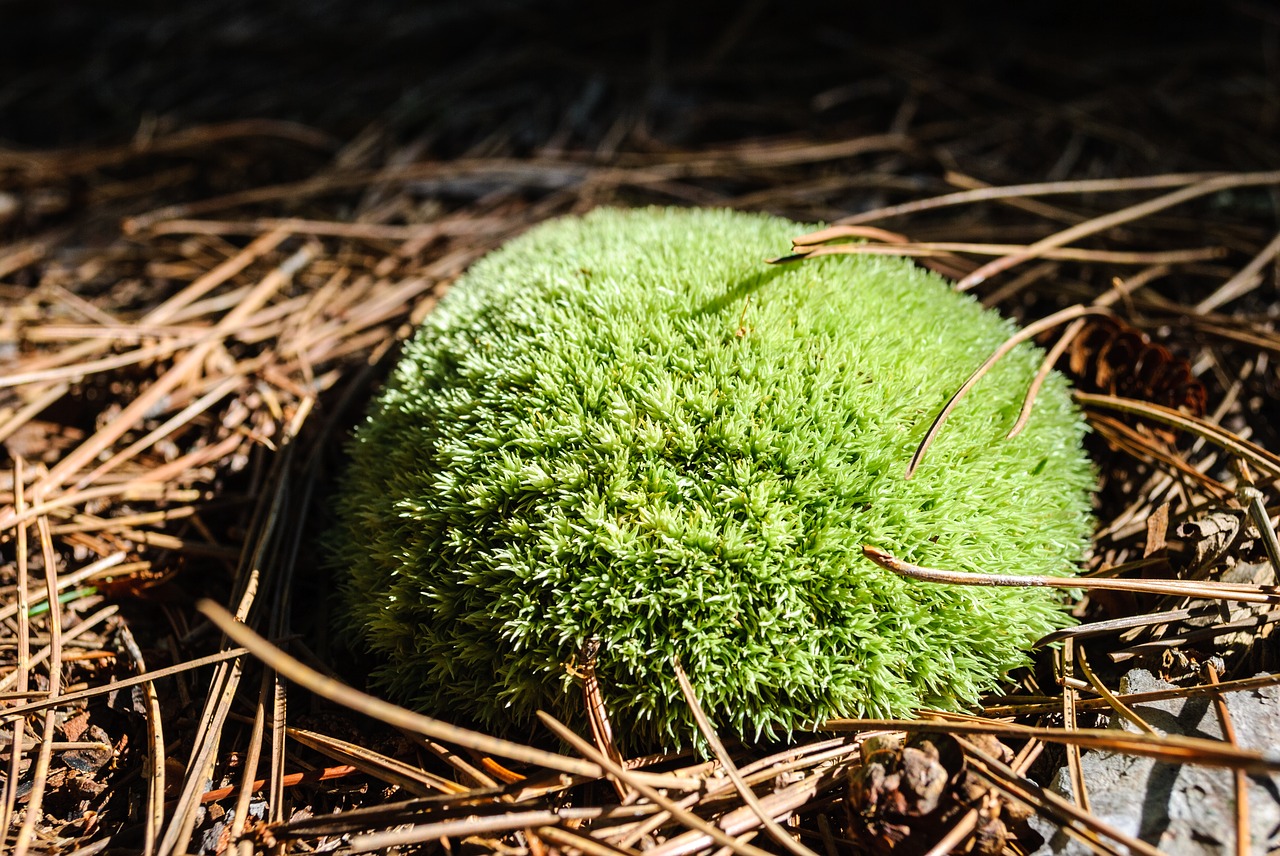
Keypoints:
(1181, 588)
(774, 831)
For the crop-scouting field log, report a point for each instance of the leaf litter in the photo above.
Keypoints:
(193, 319)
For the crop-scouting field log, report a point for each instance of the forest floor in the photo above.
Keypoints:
(219, 220)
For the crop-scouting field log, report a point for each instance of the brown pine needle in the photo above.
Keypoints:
(776, 832)
(1117, 218)
(614, 770)
(1026, 333)
(1042, 374)
(393, 715)
(944, 248)
(1173, 748)
(1241, 782)
(1251, 452)
(1241, 592)
(1017, 191)
(292, 779)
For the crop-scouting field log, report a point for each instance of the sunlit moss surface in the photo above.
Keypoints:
(628, 428)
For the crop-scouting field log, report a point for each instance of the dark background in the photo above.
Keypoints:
(563, 74)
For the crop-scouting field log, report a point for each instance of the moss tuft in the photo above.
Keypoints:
(626, 427)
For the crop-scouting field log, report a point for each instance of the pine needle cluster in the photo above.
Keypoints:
(627, 430)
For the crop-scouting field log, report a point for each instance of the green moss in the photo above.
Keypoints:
(627, 427)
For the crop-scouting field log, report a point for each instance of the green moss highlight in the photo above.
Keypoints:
(628, 427)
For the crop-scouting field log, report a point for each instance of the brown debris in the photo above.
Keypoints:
(1113, 357)
(905, 797)
(196, 298)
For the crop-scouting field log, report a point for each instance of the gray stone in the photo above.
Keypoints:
(1181, 809)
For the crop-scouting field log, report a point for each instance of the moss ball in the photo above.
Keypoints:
(628, 429)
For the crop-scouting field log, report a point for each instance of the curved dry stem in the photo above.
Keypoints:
(1046, 366)
(393, 715)
(1026, 333)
